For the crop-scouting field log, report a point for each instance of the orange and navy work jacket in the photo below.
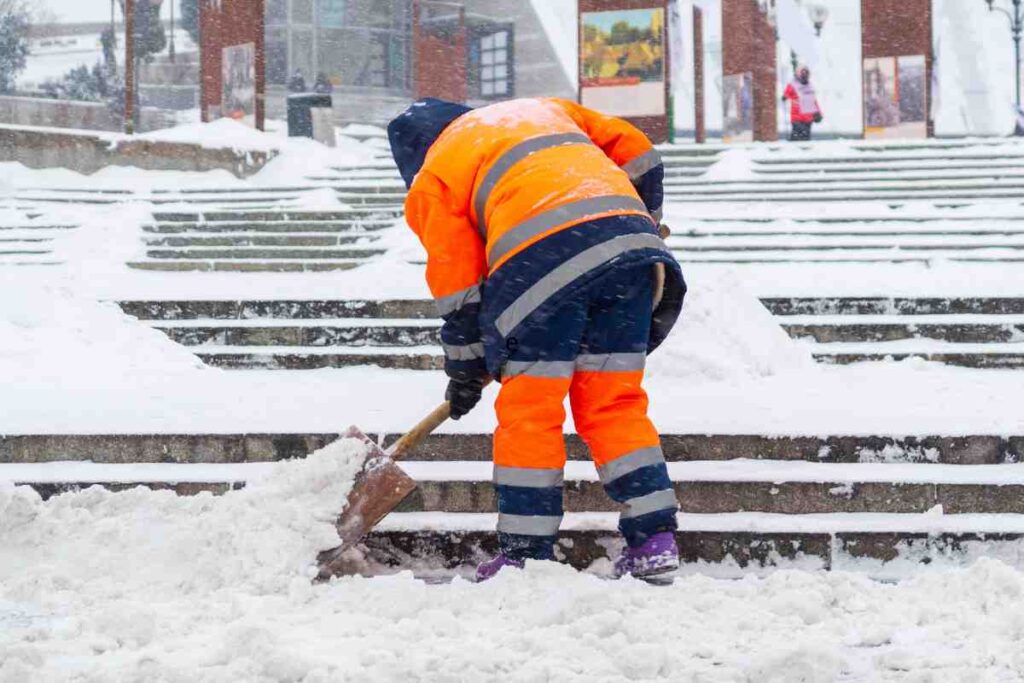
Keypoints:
(521, 204)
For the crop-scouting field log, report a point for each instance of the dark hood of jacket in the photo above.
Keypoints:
(412, 132)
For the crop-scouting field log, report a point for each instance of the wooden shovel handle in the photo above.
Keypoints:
(415, 436)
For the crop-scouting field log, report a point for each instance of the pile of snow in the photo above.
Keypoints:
(732, 164)
(49, 331)
(147, 586)
(725, 333)
(216, 134)
(122, 574)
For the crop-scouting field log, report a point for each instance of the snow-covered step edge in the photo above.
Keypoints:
(731, 471)
(906, 319)
(402, 351)
(914, 346)
(762, 522)
(295, 322)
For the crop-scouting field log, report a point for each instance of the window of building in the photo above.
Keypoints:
(495, 65)
(277, 55)
(277, 12)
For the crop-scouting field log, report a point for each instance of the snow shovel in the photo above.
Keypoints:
(378, 489)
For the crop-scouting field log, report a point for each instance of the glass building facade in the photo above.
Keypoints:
(354, 43)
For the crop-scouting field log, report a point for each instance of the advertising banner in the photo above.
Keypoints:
(238, 100)
(895, 98)
(738, 108)
(622, 59)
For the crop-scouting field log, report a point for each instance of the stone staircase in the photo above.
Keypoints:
(291, 335)
(28, 239)
(746, 499)
(282, 240)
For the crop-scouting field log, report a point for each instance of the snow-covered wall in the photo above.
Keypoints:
(974, 60)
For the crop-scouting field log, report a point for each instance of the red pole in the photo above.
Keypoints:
(261, 67)
(129, 66)
(700, 130)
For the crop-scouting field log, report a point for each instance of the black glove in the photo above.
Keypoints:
(818, 117)
(463, 394)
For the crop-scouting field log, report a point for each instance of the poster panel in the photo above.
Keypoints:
(738, 107)
(622, 58)
(895, 97)
(238, 100)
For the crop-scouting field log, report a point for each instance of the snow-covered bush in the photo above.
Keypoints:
(14, 23)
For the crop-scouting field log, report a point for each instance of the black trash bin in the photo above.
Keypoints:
(300, 113)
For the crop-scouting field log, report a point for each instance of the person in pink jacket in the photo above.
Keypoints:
(804, 110)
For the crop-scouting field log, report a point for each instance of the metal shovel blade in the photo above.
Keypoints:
(378, 489)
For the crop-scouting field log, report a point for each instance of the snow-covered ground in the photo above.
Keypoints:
(149, 586)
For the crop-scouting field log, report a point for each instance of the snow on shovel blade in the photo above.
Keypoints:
(378, 489)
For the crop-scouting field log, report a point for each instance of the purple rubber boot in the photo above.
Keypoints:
(487, 570)
(657, 556)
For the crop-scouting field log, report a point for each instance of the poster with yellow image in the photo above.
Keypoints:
(622, 61)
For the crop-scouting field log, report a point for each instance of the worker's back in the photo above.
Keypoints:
(524, 169)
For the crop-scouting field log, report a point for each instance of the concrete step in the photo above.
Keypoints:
(264, 253)
(318, 333)
(865, 219)
(956, 329)
(20, 249)
(9, 237)
(998, 357)
(462, 549)
(939, 159)
(908, 243)
(216, 200)
(785, 306)
(981, 361)
(357, 198)
(874, 195)
(1005, 355)
(317, 357)
(32, 227)
(259, 240)
(702, 488)
(281, 309)
(878, 234)
(849, 256)
(279, 215)
(977, 449)
(394, 332)
(810, 182)
(421, 309)
(881, 168)
(244, 266)
(318, 227)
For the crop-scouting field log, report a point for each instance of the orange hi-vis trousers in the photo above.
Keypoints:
(593, 349)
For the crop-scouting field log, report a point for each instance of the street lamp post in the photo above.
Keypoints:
(1016, 19)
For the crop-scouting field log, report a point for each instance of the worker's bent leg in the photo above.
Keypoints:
(529, 459)
(610, 409)
(529, 448)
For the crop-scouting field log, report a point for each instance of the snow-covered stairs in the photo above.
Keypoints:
(744, 498)
(28, 238)
(252, 241)
(974, 332)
